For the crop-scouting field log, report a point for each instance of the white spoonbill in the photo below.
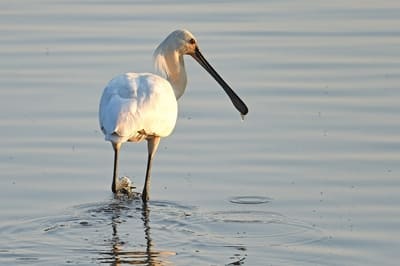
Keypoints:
(143, 106)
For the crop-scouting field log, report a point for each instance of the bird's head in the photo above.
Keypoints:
(182, 42)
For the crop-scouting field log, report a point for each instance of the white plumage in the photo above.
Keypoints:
(133, 104)
(138, 106)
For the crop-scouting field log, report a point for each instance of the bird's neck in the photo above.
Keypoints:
(169, 64)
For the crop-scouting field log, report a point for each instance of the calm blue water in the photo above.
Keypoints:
(310, 177)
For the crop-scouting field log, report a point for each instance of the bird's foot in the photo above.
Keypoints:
(145, 197)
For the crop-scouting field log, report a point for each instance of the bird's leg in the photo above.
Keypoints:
(116, 147)
(152, 145)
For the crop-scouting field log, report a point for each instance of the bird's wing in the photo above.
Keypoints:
(133, 103)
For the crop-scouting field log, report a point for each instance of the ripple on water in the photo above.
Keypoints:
(271, 228)
(116, 231)
(125, 231)
(250, 199)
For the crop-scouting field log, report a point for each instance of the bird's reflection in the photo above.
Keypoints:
(120, 253)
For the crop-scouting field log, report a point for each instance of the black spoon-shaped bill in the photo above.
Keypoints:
(236, 101)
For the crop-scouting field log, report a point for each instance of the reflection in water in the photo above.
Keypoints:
(118, 254)
(123, 231)
(196, 235)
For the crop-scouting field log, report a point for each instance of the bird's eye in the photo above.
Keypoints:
(192, 41)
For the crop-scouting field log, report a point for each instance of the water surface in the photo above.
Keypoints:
(309, 178)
